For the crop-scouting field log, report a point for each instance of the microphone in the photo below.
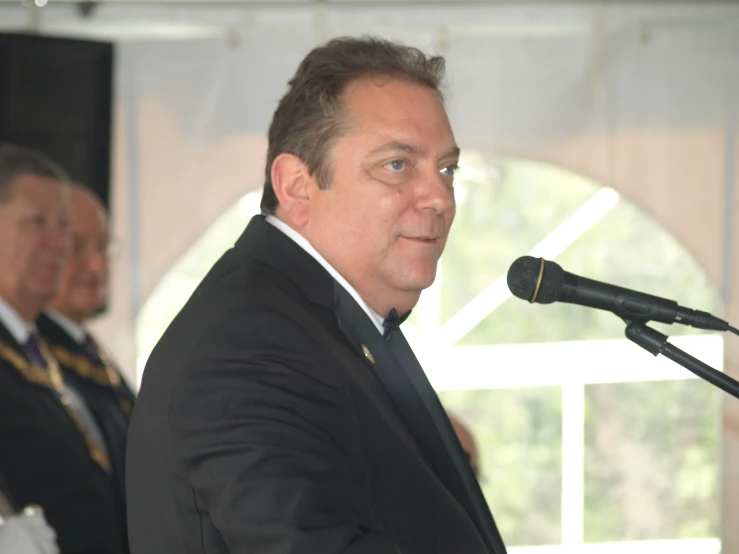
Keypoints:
(544, 282)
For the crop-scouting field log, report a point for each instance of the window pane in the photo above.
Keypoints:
(519, 437)
(651, 460)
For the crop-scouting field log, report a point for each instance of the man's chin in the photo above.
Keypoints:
(88, 304)
(419, 283)
(426, 278)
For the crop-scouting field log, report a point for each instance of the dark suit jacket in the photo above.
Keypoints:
(109, 400)
(45, 461)
(263, 426)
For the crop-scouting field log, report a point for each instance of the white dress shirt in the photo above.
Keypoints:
(301, 241)
(78, 334)
(20, 330)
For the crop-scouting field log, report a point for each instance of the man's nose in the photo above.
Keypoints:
(436, 193)
(57, 237)
(97, 260)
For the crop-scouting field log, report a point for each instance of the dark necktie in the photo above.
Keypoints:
(91, 349)
(392, 323)
(33, 350)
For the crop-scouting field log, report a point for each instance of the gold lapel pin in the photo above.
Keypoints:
(368, 354)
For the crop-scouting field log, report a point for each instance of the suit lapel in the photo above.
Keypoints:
(462, 474)
(359, 330)
(397, 368)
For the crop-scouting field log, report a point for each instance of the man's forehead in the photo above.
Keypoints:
(415, 149)
(85, 203)
(34, 181)
(368, 96)
(400, 110)
(29, 187)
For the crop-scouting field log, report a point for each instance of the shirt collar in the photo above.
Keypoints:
(19, 329)
(78, 334)
(301, 241)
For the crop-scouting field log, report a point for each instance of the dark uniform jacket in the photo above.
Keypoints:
(47, 460)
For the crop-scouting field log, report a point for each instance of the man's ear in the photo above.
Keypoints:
(292, 184)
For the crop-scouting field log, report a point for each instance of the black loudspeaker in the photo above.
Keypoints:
(56, 95)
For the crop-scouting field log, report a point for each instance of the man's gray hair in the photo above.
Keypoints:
(16, 161)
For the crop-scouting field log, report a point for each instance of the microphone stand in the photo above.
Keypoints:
(655, 343)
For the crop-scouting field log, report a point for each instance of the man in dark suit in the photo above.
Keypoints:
(283, 412)
(82, 293)
(52, 453)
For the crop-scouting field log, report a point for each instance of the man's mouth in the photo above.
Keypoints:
(425, 239)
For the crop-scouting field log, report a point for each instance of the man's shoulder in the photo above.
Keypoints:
(219, 324)
(236, 280)
(267, 320)
(241, 299)
(254, 353)
(272, 320)
(243, 310)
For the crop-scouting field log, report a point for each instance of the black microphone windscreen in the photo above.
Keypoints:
(523, 276)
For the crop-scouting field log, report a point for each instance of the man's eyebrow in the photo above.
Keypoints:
(453, 153)
(398, 146)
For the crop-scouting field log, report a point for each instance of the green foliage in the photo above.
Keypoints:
(651, 460)
(519, 434)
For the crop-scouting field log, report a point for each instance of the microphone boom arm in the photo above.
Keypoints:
(656, 343)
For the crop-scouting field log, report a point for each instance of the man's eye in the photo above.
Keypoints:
(396, 165)
(449, 170)
(35, 221)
